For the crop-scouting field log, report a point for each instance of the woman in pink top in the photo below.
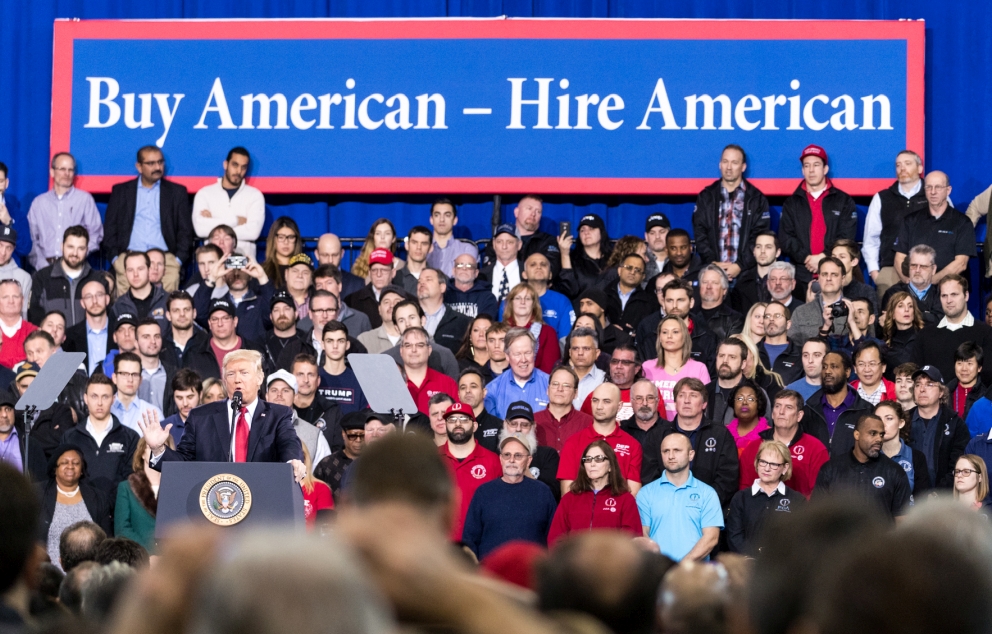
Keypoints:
(673, 363)
(749, 403)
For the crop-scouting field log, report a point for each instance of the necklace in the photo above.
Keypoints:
(68, 494)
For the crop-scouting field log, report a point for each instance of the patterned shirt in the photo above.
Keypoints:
(332, 469)
(731, 215)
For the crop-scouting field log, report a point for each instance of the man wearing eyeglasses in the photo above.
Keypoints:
(627, 303)
(58, 209)
(866, 471)
(467, 294)
(92, 334)
(937, 430)
(422, 381)
(646, 402)
(582, 346)
(870, 384)
(332, 468)
(561, 420)
(513, 508)
(470, 463)
(922, 268)
(127, 406)
(148, 212)
(625, 368)
(207, 358)
(520, 422)
(939, 225)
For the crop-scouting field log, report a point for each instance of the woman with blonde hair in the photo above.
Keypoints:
(316, 494)
(382, 235)
(971, 481)
(754, 369)
(750, 507)
(282, 244)
(674, 362)
(213, 390)
(137, 498)
(754, 323)
(523, 310)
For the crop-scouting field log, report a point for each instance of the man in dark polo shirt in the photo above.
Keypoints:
(866, 472)
(943, 227)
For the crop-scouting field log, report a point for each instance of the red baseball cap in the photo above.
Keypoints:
(381, 256)
(814, 150)
(459, 408)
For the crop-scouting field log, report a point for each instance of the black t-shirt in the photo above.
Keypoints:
(880, 481)
(950, 235)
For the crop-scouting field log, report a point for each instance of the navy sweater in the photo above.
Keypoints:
(502, 512)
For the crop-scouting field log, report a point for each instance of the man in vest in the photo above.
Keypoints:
(886, 213)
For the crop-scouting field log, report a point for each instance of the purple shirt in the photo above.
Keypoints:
(832, 414)
(50, 216)
(444, 259)
(10, 451)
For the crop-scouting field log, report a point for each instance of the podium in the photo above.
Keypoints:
(229, 495)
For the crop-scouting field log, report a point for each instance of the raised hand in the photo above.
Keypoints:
(155, 435)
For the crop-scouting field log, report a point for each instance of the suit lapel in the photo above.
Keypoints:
(257, 428)
(223, 426)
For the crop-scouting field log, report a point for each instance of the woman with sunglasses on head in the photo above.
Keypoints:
(598, 498)
(750, 508)
(971, 482)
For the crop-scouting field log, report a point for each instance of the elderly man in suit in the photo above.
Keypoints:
(220, 432)
(149, 212)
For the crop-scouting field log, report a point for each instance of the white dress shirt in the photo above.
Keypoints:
(512, 274)
(232, 418)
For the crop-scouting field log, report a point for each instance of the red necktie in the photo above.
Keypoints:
(241, 437)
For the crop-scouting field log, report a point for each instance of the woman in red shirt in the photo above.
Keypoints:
(598, 498)
(523, 310)
(316, 494)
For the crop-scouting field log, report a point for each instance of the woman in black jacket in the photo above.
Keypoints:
(66, 499)
(902, 322)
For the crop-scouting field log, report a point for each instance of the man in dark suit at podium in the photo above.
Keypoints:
(218, 432)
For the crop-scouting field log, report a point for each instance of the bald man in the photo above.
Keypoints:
(329, 251)
(939, 225)
(605, 402)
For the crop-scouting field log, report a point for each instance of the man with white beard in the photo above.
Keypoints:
(544, 460)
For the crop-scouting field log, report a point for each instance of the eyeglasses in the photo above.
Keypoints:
(515, 457)
(963, 472)
(355, 435)
(129, 375)
(597, 459)
(94, 297)
(632, 269)
(465, 265)
(324, 311)
(622, 362)
(458, 418)
(745, 399)
(867, 365)
(286, 237)
(770, 465)
(151, 163)
(520, 425)
(558, 385)
(411, 346)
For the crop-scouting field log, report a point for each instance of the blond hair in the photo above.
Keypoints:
(251, 356)
(783, 452)
(746, 331)
(686, 341)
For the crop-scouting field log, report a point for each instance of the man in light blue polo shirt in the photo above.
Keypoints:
(678, 512)
(523, 382)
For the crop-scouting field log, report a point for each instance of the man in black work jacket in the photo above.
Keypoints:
(730, 200)
(836, 401)
(816, 216)
(716, 461)
(937, 431)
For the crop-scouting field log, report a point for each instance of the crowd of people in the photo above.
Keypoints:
(639, 431)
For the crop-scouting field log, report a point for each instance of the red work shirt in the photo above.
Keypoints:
(433, 383)
(479, 467)
(808, 455)
(627, 449)
(553, 433)
(588, 510)
(818, 226)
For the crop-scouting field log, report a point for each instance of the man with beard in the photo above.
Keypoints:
(249, 290)
(470, 463)
(678, 511)
(544, 460)
(12, 437)
(777, 351)
(720, 317)
(832, 412)
(752, 283)
(184, 333)
(781, 285)
(285, 342)
(867, 472)
(472, 392)
(730, 359)
(644, 398)
(91, 335)
(625, 368)
(57, 286)
(467, 293)
(682, 262)
(677, 299)
(605, 403)
(142, 298)
(233, 202)
(512, 508)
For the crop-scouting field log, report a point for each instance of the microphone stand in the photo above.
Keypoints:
(30, 417)
(236, 399)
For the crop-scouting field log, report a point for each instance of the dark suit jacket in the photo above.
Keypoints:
(175, 210)
(207, 437)
(364, 301)
(75, 339)
(351, 283)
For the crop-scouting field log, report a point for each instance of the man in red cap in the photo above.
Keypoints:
(470, 463)
(381, 275)
(815, 217)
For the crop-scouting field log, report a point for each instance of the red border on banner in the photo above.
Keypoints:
(67, 31)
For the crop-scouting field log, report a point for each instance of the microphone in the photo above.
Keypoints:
(236, 401)
(235, 409)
